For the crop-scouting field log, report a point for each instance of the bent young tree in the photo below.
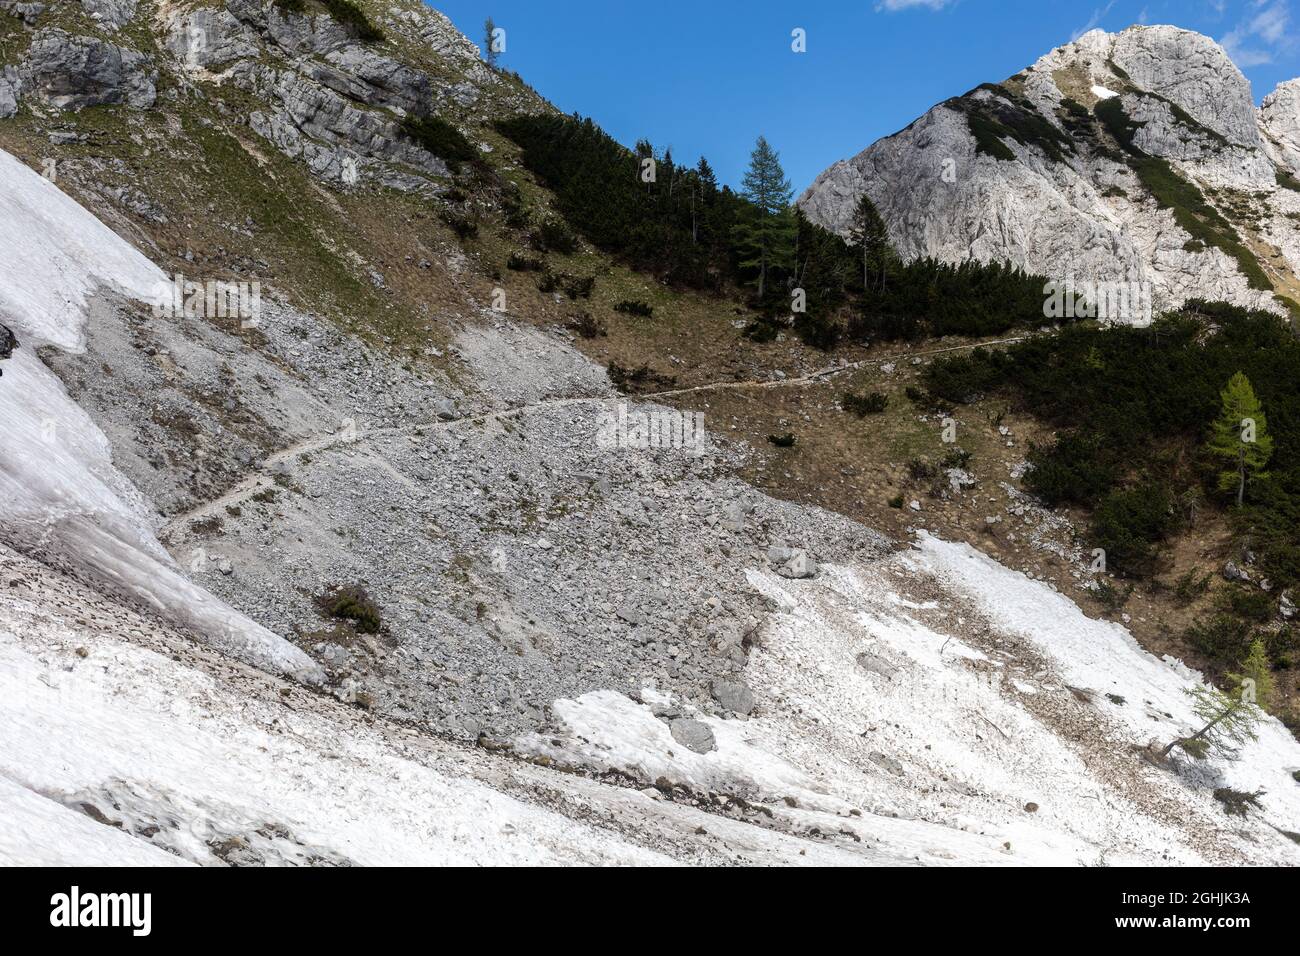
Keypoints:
(1229, 718)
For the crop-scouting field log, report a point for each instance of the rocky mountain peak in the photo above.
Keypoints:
(1188, 69)
(1136, 156)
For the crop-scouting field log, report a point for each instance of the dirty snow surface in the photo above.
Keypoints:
(941, 708)
(932, 709)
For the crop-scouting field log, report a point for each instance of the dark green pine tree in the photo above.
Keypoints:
(708, 179)
(870, 238)
(765, 233)
(490, 51)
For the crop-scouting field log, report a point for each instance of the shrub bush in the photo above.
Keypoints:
(635, 307)
(863, 405)
(1128, 524)
(519, 262)
(437, 136)
(555, 236)
(639, 379)
(463, 226)
(352, 603)
(586, 326)
(1223, 639)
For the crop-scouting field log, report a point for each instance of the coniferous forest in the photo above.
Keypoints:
(685, 229)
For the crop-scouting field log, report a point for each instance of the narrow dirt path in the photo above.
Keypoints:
(262, 478)
(829, 372)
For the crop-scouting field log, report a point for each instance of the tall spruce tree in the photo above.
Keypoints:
(870, 239)
(1239, 437)
(765, 233)
(708, 179)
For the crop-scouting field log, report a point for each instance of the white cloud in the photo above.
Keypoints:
(1258, 37)
(891, 6)
(1097, 16)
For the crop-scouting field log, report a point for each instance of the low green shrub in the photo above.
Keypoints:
(437, 136)
(635, 307)
(862, 405)
(352, 603)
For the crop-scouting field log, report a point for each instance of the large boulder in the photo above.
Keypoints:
(694, 735)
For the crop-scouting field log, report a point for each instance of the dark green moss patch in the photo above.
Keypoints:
(993, 120)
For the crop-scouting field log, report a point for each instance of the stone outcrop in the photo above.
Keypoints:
(1052, 190)
(29, 13)
(113, 14)
(320, 94)
(11, 86)
(73, 72)
(1279, 120)
(205, 39)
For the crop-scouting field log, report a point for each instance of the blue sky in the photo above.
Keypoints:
(708, 76)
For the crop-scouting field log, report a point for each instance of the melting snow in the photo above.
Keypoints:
(1018, 743)
(62, 494)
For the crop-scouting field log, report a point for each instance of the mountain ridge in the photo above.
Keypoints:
(1028, 171)
(526, 644)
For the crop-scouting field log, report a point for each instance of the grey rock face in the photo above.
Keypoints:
(693, 735)
(293, 32)
(359, 72)
(11, 86)
(1188, 69)
(114, 14)
(202, 39)
(74, 72)
(308, 109)
(1080, 212)
(29, 13)
(1279, 119)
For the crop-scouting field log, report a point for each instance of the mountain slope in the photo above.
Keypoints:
(554, 648)
(1132, 157)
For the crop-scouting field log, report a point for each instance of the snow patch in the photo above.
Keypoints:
(62, 495)
(56, 256)
(129, 757)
